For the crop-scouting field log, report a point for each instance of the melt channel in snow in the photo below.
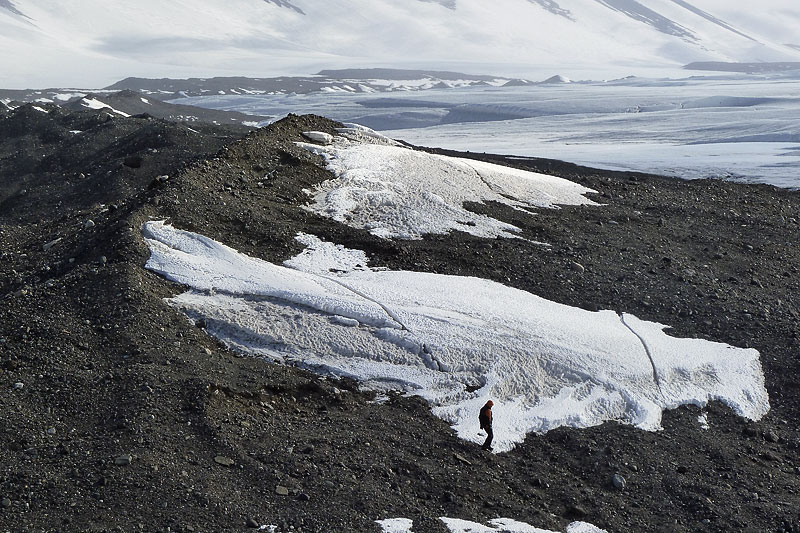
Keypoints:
(396, 192)
(456, 341)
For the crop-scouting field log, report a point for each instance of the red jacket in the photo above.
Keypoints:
(485, 416)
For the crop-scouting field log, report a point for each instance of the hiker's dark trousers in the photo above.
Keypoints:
(489, 437)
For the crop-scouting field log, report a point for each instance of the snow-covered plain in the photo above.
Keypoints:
(456, 341)
(736, 127)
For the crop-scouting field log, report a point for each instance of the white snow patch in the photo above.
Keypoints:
(321, 257)
(702, 419)
(37, 108)
(507, 525)
(146, 101)
(65, 97)
(395, 192)
(363, 134)
(94, 103)
(396, 525)
(583, 527)
(544, 364)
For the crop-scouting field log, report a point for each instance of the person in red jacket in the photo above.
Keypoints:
(485, 418)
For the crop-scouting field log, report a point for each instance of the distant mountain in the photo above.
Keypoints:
(93, 42)
(134, 96)
(330, 81)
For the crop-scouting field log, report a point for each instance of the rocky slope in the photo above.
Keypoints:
(117, 414)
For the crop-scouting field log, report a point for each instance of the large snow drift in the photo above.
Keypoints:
(544, 364)
(396, 192)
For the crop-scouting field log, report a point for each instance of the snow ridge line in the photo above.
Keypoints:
(647, 351)
(485, 181)
(434, 363)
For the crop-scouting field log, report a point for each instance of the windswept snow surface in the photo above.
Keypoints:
(498, 525)
(544, 364)
(736, 127)
(742, 129)
(395, 192)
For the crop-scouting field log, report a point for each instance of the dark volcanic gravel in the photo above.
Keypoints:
(117, 414)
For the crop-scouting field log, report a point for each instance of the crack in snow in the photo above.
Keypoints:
(646, 350)
(424, 352)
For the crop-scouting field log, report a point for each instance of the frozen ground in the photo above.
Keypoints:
(734, 127)
(456, 341)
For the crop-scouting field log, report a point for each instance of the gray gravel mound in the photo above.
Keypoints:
(118, 414)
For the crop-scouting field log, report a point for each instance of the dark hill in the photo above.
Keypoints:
(118, 414)
(131, 102)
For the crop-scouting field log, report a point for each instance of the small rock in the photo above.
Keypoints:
(463, 459)
(5, 503)
(251, 523)
(123, 460)
(303, 497)
(18, 385)
(771, 436)
(224, 461)
(88, 224)
(618, 481)
(769, 456)
(51, 244)
(133, 161)
(577, 267)
(318, 136)
(281, 490)
(575, 511)
(51, 431)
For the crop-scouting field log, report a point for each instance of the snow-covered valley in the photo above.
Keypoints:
(736, 127)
